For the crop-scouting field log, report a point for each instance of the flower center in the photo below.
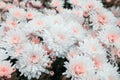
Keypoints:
(17, 14)
(97, 63)
(15, 39)
(75, 30)
(102, 19)
(90, 6)
(4, 69)
(29, 15)
(34, 58)
(112, 37)
(39, 23)
(62, 36)
(79, 69)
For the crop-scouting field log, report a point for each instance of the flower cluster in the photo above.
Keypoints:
(32, 32)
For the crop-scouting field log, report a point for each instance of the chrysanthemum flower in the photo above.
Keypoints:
(110, 35)
(30, 14)
(59, 40)
(79, 67)
(91, 47)
(14, 36)
(11, 24)
(77, 30)
(17, 13)
(102, 18)
(33, 61)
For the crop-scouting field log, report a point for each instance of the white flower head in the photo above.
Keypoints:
(59, 39)
(91, 47)
(79, 67)
(11, 24)
(110, 35)
(101, 19)
(14, 36)
(33, 61)
(31, 13)
(77, 30)
(16, 13)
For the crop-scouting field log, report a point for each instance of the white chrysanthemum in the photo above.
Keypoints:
(33, 61)
(31, 13)
(16, 13)
(108, 72)
(77, 30)
(110, 35)
(59, 39)
(9, 24)
(6, 69)
(91, 47)
(79, 67)
(14, 37)
(101, 19)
